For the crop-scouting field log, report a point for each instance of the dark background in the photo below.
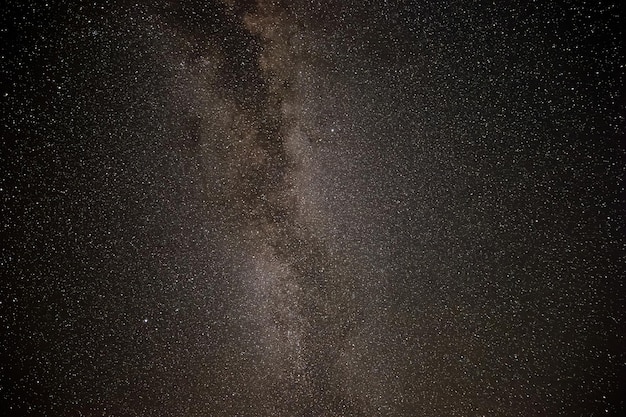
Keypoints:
(465, 255)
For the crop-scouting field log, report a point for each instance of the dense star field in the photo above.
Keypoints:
(312, 208)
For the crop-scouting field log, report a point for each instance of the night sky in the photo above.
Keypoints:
(312, 208)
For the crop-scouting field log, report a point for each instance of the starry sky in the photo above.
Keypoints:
(312, 208)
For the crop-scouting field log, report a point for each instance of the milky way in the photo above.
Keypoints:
(312, 208)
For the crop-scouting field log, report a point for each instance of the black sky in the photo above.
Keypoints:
(312, 208)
